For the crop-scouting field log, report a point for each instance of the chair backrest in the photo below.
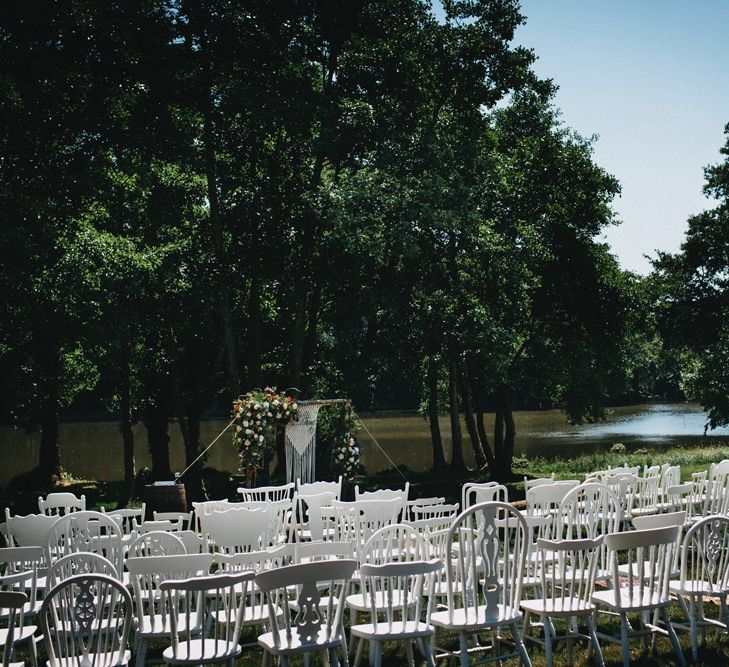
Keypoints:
(436, 510)
(530, 483)
(194, 543)
(11, 608)
(86, 621)
(683, 497)
(266, 494)
(716, 501)
(545, 499)
(32, 530)
(670, 476)
(305, 552)
(87, 531)
(359, 520)
(720, 468)
(156, 543)
(314, 622)
(224, 595)
(128, 518)
(705, 554)
(474, 493)
(313, 488)
(487, 546)
(648, 554)
(278, 512)
(567, 569)
(59, 504)
(386, 494)
(157, 526)
(307, 521)
(183, 519)
(71, 565)
(646, 499)
(395, 543)
(20, 564)
(587, 512)
(146, 575)
(624, 487)
(200, 509)
(435, 532)
(403, 587)
(661, 521)
(237, 530)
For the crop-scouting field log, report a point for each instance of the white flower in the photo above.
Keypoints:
(261, 438)
(341, 457)
(247, 442)
(248, 431)
(245, 423)
(238, 429)
(265, 405)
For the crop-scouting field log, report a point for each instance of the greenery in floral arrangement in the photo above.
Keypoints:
(345, 456)
(257, 415)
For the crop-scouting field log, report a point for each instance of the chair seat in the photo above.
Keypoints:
(396, 630)
(358, 602)
(295, 645)
(18, 635)
(621, 599)
(696, 587)
(252, 615)
(159, 626)
(558, 607)
(106, 659)
(623, 570)
(474, 617)
(201, 651)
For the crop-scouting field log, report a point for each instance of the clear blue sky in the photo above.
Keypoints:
(651, 78)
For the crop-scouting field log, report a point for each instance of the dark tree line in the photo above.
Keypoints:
(350, 198)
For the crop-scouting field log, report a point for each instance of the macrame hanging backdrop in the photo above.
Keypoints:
(300, 437)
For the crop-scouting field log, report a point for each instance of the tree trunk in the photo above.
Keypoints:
(439, 462)
(156, 421)
(193, 479)
(311, 337)
(298, 336)
(49, 455)
(478, 452)
(483, 436)
(254, 334)
(125, 420)
(509, 435)
(498, 440)
(457, 462)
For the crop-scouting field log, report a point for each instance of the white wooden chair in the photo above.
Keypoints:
(71, 565)
(156, 543)
(194, 543)
(646, 500)
(279, 513)
(641, 594)
(587, 512)
(59, 504)
(434, 511)
(624, 487)
(185, 520)
(200, 509)
(11, 608)
(484, 575)
(316, 626)
(474, 493)
(313, 488)
(310, 552)
(435, 533)
(32, 530)
(531, 482)
(25, 561)
(159, 525)
(567, 569)
(704, 576)
(98, 611)
(664, 520)
(152, 610)
(267, 494)
(307, 520)
(386, 494)
(128, 518)
(422, 502)
(87, 531)
(237, 530)
(14, 603)
(407, 591)
(187, 603)
(359, 520)
(683, 497)
(716, 493)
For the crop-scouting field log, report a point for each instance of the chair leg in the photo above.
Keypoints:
(463, 640)
(284, 661)
(428, 654)
(345, 648)
(594, 643)
(547, 642)
(358, 655)
(333, 657)
(694, 630)
(265, 659)
(672, 635)
(409, 652)
(519, 641)
(378, 654)
(141, 652)
(624, 640)
(33, 650)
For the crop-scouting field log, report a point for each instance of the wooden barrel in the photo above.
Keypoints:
(165, 498)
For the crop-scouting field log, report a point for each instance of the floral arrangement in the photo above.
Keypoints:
(257, 415)
(346, 456)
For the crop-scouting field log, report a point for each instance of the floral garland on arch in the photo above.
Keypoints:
(345, 456)
(257, 416)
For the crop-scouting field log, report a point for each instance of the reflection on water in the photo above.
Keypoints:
(94, 450)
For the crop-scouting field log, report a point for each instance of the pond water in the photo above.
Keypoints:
(93, 450)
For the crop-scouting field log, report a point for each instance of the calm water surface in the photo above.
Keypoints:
(93, 450)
